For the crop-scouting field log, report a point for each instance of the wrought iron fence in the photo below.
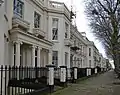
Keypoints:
(92, 71)
(57, 73)
(81, 72)
(20, 80)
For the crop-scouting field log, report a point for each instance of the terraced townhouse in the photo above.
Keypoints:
(37, 33)
(33, 30)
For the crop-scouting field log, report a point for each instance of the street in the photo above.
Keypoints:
(104, 84)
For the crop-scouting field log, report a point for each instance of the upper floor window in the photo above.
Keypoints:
(36, 20)
(66, 30)
(71, 36)
(55, 29)
(89, 51)
(75, 42)
(83, 49)
(18, 8)
(66, 58)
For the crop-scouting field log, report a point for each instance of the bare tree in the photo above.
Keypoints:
(104, 21)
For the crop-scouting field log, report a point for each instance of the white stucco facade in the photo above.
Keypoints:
(78, 49)
(62, 14)
(23, 44)
(20, 40)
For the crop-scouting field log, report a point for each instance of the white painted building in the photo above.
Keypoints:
(59, 33)
(93, 59)
(33, 31)
(39, 32)
(24, 33)
(90, 54)
(78, 49)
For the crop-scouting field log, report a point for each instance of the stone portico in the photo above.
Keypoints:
(28, 49)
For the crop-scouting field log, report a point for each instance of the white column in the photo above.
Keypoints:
(17, 55)
(38, 56)
(33, 56)
(50, 57)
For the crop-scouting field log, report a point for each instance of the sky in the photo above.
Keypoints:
(82, 22)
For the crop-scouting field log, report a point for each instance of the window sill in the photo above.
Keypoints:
(55, 41)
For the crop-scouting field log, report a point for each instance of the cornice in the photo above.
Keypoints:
(31, 36)
(51, 10)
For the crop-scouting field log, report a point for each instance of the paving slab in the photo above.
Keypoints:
(103, 84)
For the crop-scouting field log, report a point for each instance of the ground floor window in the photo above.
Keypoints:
(21, 56)
(71, 61)
(35, 58)
(89, 63)
(78, 65)
(74, 61)
(66, 58)
(55, 58)
(81, 63)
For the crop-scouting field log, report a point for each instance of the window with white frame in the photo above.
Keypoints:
(75, 42)
(89, 63)
(36, 20)
(83, 49)
(18, 8)
(55, 58)
(21, 59)
(74, 61)
(71, 37)
(81, 63)
(89, 51)
(35, 58)
(71, 60)
(77, 62)
(66, 58)
(55, 29)
(66, 30)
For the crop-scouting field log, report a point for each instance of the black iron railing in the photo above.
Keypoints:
(57, 73)
(20, 80)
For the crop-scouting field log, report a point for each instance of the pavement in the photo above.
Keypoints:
(103, 84)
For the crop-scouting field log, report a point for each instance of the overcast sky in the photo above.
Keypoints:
(81, 21)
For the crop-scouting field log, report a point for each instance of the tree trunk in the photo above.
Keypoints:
(117, 64)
